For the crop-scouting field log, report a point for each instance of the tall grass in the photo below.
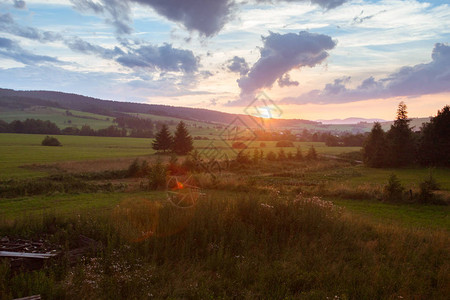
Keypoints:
(237, 245)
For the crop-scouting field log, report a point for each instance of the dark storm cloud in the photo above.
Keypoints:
(421, 79)
(8, 25)
(11, 49)
(162, 58)
(282, 53)
(238, 65)
(285, 80)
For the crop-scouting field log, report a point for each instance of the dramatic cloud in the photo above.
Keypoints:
(422, 79)
(20, 4)
(207, 17)
(238, 65)
(164, 58)
(117, 12)
(285, 80)
(11, 49)
(8, 25)
(79, 45)
(282, 53)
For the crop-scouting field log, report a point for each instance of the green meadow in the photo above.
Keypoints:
(283, 229)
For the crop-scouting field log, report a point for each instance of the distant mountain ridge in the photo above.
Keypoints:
(353, 120)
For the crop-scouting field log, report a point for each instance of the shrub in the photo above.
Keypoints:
(298, 154)
(239, 145)
(50, 141)
(271, 156)
(157, 178)
(393, 191)
(426, 194)
(281, 155)
(285, 144)
(133, 169)
(243, 158)
(262, 145)
(312, 154)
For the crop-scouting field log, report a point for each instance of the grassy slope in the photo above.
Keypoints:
(58, 116)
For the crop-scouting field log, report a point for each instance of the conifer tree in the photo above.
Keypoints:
(182, 142)
(163, 140)
(401, 144)
(375, 149)
(435, 140)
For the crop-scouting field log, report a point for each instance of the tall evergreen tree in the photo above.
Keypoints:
(434, 146)
(374, 149)
(182, 142)
(401, 150)
(163, 140)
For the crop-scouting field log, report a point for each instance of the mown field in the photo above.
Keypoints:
(290, 229)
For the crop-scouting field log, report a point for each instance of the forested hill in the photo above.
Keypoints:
(23, 99)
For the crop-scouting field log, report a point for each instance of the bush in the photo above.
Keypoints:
(298, 155)
(426, 194)
(50, 141)
(393, 191)
(262, 145)
(271, 156)
(285, 144)
(133, 169)
(312, 154)
(157, 178)
(281, 155)
(239, 145)
(243, 158)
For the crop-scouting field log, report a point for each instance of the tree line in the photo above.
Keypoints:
(400, 146)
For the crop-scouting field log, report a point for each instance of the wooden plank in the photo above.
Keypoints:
(27, 255)
(35, 297)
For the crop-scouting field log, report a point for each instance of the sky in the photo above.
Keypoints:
(316, 59)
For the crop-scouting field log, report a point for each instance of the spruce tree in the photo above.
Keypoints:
(163, 140)
(435, 140)
(401, 150)
(374, 149)
(182, 142)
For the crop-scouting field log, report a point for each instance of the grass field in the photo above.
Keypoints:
(66, 204)
(308, 229)
(17, 150)
(408, 215)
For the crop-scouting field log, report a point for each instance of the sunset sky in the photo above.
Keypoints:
(318, 59)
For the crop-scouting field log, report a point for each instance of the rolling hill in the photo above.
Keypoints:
(66, 109)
